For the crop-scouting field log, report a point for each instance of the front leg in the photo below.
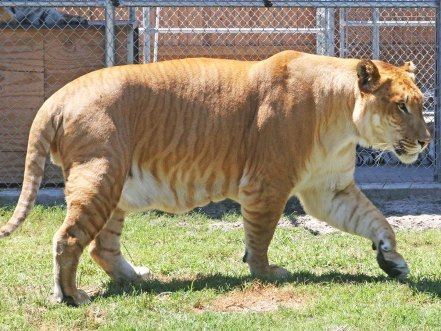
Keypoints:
(349, 210)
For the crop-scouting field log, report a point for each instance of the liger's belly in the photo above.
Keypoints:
(177, 193)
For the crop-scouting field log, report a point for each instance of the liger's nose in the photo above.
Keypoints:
(425, 140)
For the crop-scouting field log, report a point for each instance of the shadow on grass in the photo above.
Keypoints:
(223, 283)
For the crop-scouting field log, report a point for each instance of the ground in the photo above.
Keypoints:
(201, 283)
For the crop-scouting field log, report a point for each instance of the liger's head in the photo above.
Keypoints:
(389, 109)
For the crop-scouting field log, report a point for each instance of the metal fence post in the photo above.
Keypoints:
(330, 31)
(326, 25)
(156, 38)
(375, 33)
(437, 170)
(131, 35)
(110, 33)
(321, 35)
(146, 30)
(342, 30)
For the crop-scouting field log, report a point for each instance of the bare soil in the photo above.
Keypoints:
(404, 214)
(257, 298)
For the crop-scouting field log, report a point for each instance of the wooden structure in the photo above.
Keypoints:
(34, 63)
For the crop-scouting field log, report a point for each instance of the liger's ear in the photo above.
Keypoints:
(368, 76)
(410, 68)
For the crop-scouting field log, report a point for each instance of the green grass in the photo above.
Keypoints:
(336, 281)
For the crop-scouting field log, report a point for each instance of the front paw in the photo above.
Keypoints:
(393, 264)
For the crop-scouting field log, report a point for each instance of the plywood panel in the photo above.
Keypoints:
(21, 89)
(14, 128)
(70, 53)
(33, 65)
(21, 69)
(21, 50)
(12, 169)
(21, 93)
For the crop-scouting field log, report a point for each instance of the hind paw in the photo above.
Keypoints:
(77, 298)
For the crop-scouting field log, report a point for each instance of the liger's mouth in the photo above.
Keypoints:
(403, 148)
(400, 150)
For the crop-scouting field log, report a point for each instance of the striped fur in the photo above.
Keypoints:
(178, 134)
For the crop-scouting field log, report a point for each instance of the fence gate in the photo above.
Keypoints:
(45, 44)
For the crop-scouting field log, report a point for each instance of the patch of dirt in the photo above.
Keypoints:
(257, 298)
(415, 222)
(404, 214)
(311, 224)
(408, 222)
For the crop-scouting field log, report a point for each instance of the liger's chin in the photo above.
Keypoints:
(407, 158)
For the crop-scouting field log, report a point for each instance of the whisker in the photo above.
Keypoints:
(378, 157)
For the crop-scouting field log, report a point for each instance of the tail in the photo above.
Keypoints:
(41, 135)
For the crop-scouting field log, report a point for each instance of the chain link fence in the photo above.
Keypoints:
(46, 44)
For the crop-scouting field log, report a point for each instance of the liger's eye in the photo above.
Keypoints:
(402, 107)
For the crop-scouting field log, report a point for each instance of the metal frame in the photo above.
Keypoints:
(379, 23)
(225, 3)
(282, 3)
(437, 170)
(324, 30)
(55, 3)
(236, 30)
(375, 24)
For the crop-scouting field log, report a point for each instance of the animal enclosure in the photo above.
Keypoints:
(38, 56)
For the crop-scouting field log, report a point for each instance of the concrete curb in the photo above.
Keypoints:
(46, 196)
(401, 191)
(55, 196)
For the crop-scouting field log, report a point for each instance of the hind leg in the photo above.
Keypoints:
(105, 249)
(92, 193)
(261, 210)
